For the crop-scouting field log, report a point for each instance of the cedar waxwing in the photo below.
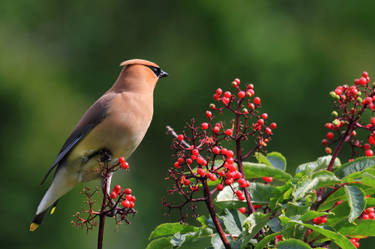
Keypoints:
(116, 122)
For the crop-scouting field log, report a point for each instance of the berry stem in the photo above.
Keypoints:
(211, 209)
(102, 215)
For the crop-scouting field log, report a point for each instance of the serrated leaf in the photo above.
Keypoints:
(168, 229)
(277, 160)
(160, 243)
(292, 244)
(357, 165)
(257, 170)
(356, 202)
(337, 237)
(266, 240)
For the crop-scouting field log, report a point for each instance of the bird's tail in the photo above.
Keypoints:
(61, 184)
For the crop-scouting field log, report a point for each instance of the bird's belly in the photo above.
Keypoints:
(118, 139)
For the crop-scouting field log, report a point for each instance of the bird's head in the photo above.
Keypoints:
(139, 74)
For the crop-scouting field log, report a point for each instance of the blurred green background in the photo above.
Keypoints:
(58, 57)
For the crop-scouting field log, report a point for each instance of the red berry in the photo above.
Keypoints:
(219, 91)
(131, 204)
(257, 206)
(195, 152)
(242, 210)
(365, 74)
(205, 126)
(189, 161)
(370, 209)
(362, 81)
(250, 92)
(213, 177)
(325, 142)
(117, 189)
(264, 115)
(324, 219)
(369, 153)
(216, 150)
(208, 114)
(241, 198)
(237, 80)
(366, 146)
(125, 165)
(257, 100)
(241, 94)
(365, 217)
(372, 120)
(222, 173)
(239, 193)
(113, 195)
(330, 135)
(177, 165)
(227, 94)
(186, 182)
(251, 106)
(201, 172)
(224, 151)
(128, 191)
(267, 179)
(125, 204)
(278, 237)
(225, 101)
(121, 160)
(216, 129)
(229, 181)
(128, 197)
(220, 187)
(180, 137)
(230, 160)
(260, 121)
(228, 132)
(273, 125)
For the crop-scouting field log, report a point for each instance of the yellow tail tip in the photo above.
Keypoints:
(33, 227)
(52, 210)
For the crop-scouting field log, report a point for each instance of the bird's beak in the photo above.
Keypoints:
(163, 74)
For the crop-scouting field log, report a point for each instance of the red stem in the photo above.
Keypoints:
(102, 213)
(211, 209)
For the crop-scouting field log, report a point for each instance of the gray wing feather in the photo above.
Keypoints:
(94, 115)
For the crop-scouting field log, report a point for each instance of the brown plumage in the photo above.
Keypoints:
(116, 122)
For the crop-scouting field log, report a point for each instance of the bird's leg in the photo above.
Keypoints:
(106, 155)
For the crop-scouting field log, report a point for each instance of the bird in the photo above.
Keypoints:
(116, 123)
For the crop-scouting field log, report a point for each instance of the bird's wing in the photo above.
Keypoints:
(93, 116)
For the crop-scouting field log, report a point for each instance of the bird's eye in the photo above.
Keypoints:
(156, 70)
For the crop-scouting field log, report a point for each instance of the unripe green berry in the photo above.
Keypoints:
(334, 113)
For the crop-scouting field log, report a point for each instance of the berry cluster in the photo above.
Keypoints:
(111, 204)
(368, 214)
(320, 220)
(352, 101)
(125, 197)
(355, 242)
(204, 154)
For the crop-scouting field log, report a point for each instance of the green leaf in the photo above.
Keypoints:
(260, 194)
(254, 224)
(356, 202)
(263, 243)
(292, 244)
(257, 170)
(311, 214)
(357, 165)
(337, 237)
(361, 229)
(160, 243)
(196, 241)
(275, 224)
(168, 229)
(262, 159)
(233, 221)
(315, 183)
(320, 163)
(277, 160)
